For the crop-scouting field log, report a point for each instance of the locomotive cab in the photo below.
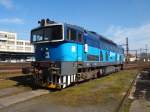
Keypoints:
(56, 49)
(51, 33)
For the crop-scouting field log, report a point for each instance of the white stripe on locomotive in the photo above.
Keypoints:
(64, 81)
(68, 79)
(74, 78)
(71, 78)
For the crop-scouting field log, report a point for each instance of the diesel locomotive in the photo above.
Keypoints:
(66, 54)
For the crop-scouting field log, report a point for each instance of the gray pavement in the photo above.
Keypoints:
(140, 106)
(141, 101)
(20, 97)
(10, 91)
(42, 104)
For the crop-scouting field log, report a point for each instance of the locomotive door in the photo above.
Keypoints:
(80, 47)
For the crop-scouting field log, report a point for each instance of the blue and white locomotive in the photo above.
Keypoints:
(66, 54)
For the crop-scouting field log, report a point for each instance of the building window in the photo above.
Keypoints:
(1, 35)
(19, 43)
(19, 48)
(11, 37)
(2, 47)
(10, 47)
(27, 48)
(27, 43)
(10, 42)
(2, 42)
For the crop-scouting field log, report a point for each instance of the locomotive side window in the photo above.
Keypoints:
(106, 56)
(92, 57)
(101, 56)
(80, 37)
(53, 33)
(120, 58)
(71, 34)
(68, 34)
(116, 57)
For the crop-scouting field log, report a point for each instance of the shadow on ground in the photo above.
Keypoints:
(25, 81)
(143, 86)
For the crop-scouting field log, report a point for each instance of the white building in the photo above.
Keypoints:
(12, 48)
(10, 43)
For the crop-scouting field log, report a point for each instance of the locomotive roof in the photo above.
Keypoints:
(92, 33)
(103, 38)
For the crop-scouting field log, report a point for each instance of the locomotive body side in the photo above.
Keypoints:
(73, 55)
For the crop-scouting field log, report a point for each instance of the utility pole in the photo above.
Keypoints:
(146, 49)
(136, 54)
(140, 54)
(127, 50)
(140, 51)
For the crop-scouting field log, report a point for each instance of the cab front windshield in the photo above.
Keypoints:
(48, 33)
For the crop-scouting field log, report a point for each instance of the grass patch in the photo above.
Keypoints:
(7, 83)
(107, 90)
(10, 80)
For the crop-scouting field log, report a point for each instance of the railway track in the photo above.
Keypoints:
(130, 94)
(8, 70)
(13, 66)
(17, 67)
(126, 96)
(138, 65)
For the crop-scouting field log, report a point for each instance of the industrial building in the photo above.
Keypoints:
(13, 49)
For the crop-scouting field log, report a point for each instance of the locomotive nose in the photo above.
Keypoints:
(45, 53)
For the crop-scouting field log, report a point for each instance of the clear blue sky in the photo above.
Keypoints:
(98, 15)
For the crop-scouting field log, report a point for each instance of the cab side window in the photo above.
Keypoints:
(71, 34)
(68, 34)
(80, 37)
